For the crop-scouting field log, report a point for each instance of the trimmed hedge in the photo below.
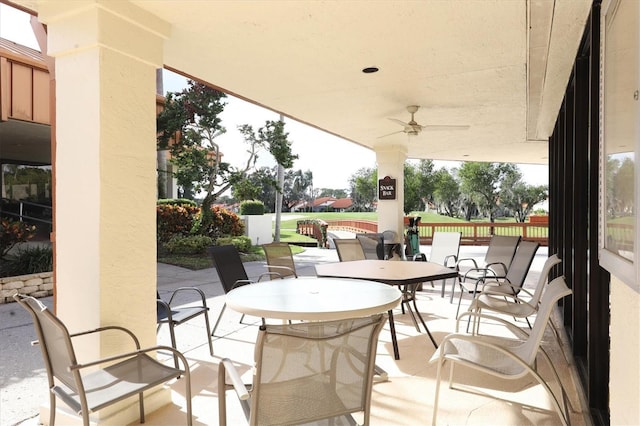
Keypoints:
(252, 207)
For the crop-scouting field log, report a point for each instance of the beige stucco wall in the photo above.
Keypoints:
(624, 385)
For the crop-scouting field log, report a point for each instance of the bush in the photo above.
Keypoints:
(28, 260)
(177, 202)
(12, 233)
(242, 243)
(192, 244)
(222, 222)
(172, 219)
(252, 207)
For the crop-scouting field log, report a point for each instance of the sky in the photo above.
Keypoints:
(332, 160)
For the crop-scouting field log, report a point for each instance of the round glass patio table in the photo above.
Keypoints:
(313, 298)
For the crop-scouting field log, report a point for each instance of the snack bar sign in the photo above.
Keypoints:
(386, 188)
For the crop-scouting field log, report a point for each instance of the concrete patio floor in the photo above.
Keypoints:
(406, 398)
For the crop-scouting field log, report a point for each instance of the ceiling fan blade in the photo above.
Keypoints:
(445, 127)
(402, 123)
(384, 136)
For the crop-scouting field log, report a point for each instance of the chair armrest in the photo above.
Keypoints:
(132, 354)
(492, 265)
(236, 381)
(108, 328)
(488, 287)
(189, 289)
(166, 308)
(487, 273)
(269, 274)
(480, 342)
(283, 268)
(455, 260)
(478, 316)
(467, 259)
(240, 283)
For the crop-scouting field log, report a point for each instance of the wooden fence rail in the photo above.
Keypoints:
(473, 233)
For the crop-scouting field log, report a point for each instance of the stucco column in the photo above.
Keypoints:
(105, 168)
(390, 160)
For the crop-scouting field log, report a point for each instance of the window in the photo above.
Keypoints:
(620, 138)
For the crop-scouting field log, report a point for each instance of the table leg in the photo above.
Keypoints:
(394, 339)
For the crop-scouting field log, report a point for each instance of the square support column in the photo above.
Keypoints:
(105, 215)
(390, 160)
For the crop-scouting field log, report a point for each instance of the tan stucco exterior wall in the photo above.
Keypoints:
(624, 385)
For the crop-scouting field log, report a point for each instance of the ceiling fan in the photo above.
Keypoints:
(412, 128)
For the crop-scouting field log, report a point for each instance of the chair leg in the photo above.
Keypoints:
(222, 395)
(206, 320)
(215, 327)
(437, 393)
(173, 342)
(52, 408)
(141, 406)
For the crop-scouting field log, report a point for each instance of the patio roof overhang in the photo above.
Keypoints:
(498, 66)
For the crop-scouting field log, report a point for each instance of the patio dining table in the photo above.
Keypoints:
(405, 275)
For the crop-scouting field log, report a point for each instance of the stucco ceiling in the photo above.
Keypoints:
(499, 67)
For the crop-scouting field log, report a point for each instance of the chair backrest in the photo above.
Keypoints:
(521, 262)
(349, 249)
(314, 370)
(501, 249)
(279, 254)
(551, 261)
(444, 245)
(554, 291)
(54, 341)
(228, 264)
(372, 245)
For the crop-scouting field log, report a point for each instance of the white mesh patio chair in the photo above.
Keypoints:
(445, 248)
(514, 305)
(90, 386)
(505, 358)
(307, 372)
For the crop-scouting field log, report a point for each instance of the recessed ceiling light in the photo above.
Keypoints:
(370, 70)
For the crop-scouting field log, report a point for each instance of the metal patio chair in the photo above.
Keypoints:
(372, 244)
(174, 316)
(445, 248)
(349, 249)
(307, 372)
(280, 259)
(505, 358)
(513, 305)
(496, 263)
(231, 272)
(91, 386)
(514, 278)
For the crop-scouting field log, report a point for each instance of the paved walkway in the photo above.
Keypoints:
(23, 380)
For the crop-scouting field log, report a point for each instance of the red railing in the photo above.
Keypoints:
(473, 233)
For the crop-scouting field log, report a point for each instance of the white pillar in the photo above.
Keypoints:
(105, 168)
(390, 160)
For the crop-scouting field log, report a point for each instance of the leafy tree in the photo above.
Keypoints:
(518, 197)
(335, 193)
(259, 185)
(297, 187)
(446, 193)
(480, 183)
(364, 188)
(188, 126)
(412, 195)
